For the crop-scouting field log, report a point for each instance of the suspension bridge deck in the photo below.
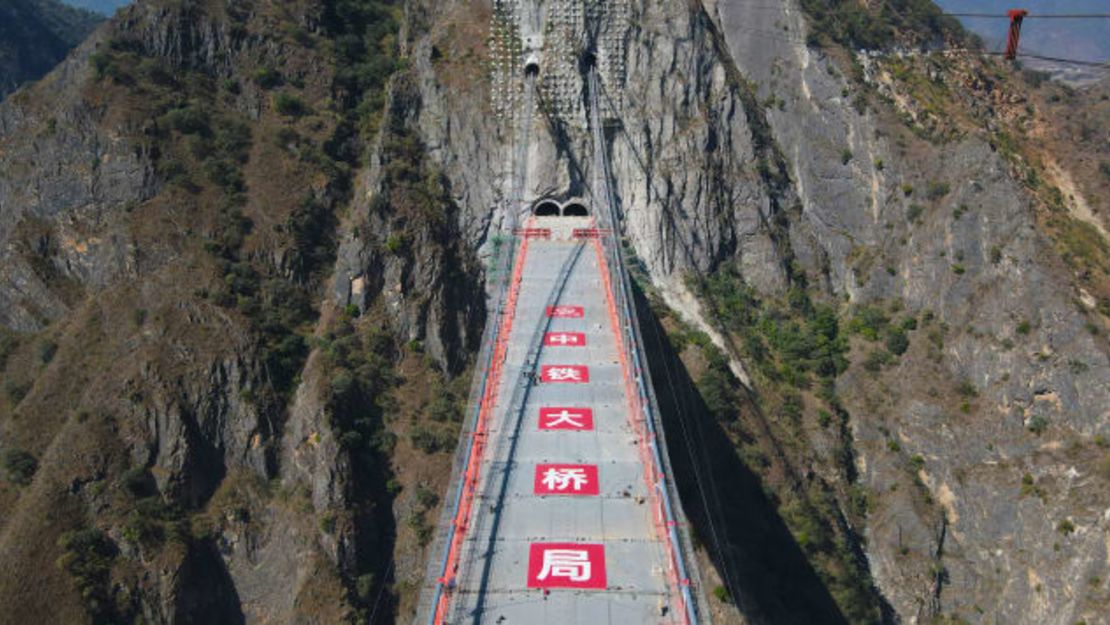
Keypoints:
(563, 525)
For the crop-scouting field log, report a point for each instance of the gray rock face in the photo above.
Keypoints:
(973, 464)
(68, 174)
(193, 400)
(428, 281)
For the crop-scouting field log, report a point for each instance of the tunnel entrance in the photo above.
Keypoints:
(574, 209)
(532, 65)
(546, 208)
(552, 208)
(587, 62)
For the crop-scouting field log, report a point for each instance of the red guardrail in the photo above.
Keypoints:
(636, 418)
(462, 517)
(533, 233)
(590, 233)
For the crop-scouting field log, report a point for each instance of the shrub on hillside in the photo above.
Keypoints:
(20, 466)
(290, 105)
(87, 556)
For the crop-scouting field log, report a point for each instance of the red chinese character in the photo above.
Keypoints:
(565, 312)
(564, 339)
(566, 479)
(577, 374)
(566, 565)
(566, 419)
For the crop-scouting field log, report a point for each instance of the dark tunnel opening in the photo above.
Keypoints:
(575, 209)
(546, 209)
(587, 62)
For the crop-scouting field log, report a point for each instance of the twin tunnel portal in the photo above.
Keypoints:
(562, 508)
(551, 208)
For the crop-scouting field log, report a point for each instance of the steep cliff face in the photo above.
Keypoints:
(192, 431)
(35, 35)
(1017, 371)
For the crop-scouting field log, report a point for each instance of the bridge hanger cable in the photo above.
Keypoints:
(1031, 16)
(775, 36)
(681, 405)
(624, 294)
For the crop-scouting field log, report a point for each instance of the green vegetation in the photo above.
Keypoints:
(290, 105)
(966, 389)
(20, 466)
(787, 341)
(268, 78)
(364, 586)
(327, 523)
(16, 391)
(877, 359)
(1081, 245)
(896, 341)
(1037, 424)
(874, 324)
(1029, 487)
(105, 65)
(1066, 527)
(45, 350)
(396, 244)
(365, 33)
(431, 441)
(152, 522)
(789, 345)
(8, 344)
(913, 213)
(1104, 468)
(360, 368)
(87, 556)
(268, 278)
(277, 307)
(426, 501)
(935, 190)
(877, 25)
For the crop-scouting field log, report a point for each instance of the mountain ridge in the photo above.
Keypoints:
(35, 35)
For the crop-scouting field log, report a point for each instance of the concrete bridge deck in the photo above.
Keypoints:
(612, 554)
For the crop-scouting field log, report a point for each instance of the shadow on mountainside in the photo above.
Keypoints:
(749, 544)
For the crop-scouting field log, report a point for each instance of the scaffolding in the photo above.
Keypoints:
(569, 31)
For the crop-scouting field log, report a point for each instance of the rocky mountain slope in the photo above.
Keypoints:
(240, 241)
(35, 35)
